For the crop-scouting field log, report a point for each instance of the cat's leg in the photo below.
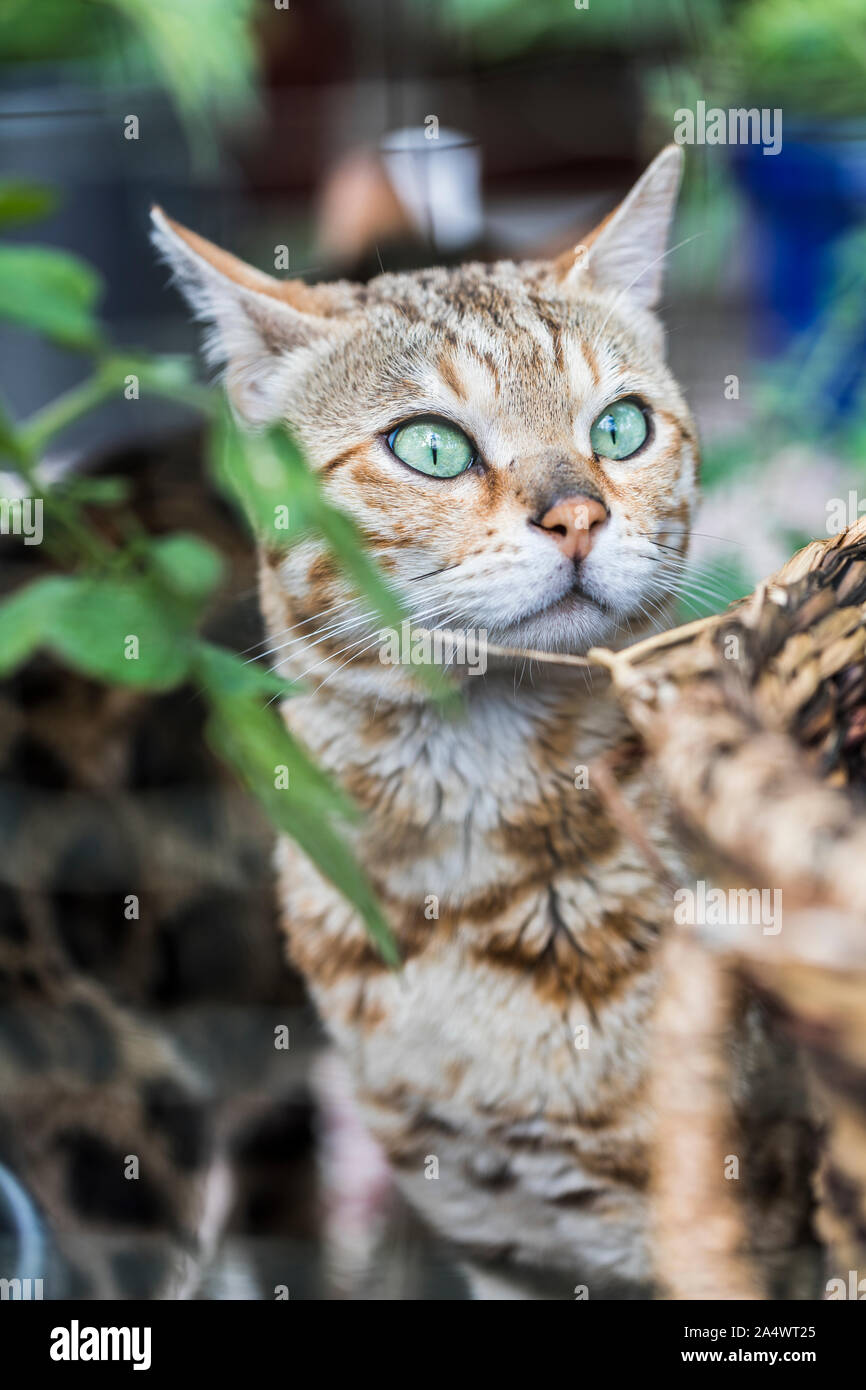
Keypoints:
(355, 1181)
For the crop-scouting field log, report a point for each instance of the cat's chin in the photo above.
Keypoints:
(573, 623)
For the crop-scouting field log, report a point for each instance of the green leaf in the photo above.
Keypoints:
(267, 475)
(303, 819)
(224, 671)
(337, 528)
(206, 80)
(21, 201)
(50, 292)
(97, 492)
(187, 565)
(28, 616)
(11, 446)
(94, 626)
(248, 472)
(347, 546)
(268, 744)
(254, 739)
(171, 374)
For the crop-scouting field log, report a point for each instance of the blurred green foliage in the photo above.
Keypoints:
(504, 28)
(130, 614)
(202, 51)
(50, 292)
(808, 56)
(812, 397)
(797, 396)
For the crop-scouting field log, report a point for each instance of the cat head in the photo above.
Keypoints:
(507, 436)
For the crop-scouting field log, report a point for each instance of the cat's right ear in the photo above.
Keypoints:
(626, 252)
(256, 323)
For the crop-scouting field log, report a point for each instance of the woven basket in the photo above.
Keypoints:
(756, 724)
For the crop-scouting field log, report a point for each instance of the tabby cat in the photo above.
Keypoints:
(515, 449)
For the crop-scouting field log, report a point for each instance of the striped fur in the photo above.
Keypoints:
(522, 912)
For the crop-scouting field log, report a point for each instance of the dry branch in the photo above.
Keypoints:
(756, 721)
(698, 1229)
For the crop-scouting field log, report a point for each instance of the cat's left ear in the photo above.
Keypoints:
(626, 251)
(256, 322)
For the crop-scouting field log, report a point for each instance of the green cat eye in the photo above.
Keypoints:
(619, 430)
(432, 446)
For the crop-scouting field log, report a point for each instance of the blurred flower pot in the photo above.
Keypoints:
(804, 200)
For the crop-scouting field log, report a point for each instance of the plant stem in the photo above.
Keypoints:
(105, 382)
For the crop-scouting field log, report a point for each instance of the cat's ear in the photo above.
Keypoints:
(626, 251)
(256, 322)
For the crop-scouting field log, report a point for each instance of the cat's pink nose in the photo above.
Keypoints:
(573, 523)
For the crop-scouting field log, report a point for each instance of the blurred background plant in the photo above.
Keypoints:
(151, 591)
(202, 52)
(810, 59)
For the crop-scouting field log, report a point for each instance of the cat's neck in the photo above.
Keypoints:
(509, 736)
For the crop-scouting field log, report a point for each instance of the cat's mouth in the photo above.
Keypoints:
(574, 600)
(573, 621)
